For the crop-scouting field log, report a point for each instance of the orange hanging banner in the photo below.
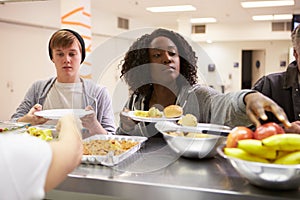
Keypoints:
(76, 15)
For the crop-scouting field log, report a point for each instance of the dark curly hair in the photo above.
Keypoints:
(135, 67)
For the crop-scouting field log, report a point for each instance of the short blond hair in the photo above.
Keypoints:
(64, 38)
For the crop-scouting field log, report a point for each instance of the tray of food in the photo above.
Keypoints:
(11, 126)
(44, 132)
(109, 150)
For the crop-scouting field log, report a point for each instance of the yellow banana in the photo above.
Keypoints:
(282, 153)
(289, 159)
(288, 148)
(283, 141)
(241, 154)
(255, 147)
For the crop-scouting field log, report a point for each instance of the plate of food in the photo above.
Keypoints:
(58, 113)
(170, 113)
(110, 150)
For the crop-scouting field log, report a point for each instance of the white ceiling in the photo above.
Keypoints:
(225, 11)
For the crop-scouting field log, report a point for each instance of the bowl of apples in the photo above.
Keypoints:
(267, 157)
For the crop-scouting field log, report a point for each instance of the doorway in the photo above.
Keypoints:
(253, 67)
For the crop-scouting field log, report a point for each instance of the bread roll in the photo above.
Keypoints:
(189, 120)
(173, 111)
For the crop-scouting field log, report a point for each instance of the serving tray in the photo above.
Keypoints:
(110, 159)
(11, 126)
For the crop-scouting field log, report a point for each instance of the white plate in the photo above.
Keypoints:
(214, 129)
(150, 119)
(58, 113)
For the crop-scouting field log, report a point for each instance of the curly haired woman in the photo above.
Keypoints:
(161, 70)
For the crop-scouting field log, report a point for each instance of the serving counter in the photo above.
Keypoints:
(156, 173)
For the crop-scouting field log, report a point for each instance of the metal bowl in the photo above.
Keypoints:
(191, 147)
(270, 176)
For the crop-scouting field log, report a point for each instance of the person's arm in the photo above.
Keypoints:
(27, 103)
(66, 151)
(31, 118)
(105, 113)
(236, 108)
(91, 123)
(126, 124)
(214, 107)
(102, 121)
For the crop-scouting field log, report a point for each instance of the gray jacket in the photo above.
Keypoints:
(94, 95)
(207, 104)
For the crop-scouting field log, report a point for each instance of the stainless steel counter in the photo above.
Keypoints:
(156, 173)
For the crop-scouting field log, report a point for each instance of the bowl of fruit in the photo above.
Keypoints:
(267, 157)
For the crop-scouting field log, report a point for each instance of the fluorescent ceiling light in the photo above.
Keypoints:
(272, 17)
(256, 4)
(203, 20)
(172, 8)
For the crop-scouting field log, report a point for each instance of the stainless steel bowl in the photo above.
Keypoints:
(271, 176)
(188, 146)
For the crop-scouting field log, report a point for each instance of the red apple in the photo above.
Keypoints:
(267, 130)
(238, 133)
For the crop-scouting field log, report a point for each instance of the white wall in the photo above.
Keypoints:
(258, 72)
(256, 31)
(24, 55)
(224, 54)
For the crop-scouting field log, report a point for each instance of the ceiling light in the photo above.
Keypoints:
(256, 4)
(272, 17)
(203, 20)
(172, 8)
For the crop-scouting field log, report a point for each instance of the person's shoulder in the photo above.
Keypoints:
(42, 82)
(290, 70)
(275, 74)
(203, 88)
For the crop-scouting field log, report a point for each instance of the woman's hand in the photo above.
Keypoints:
(91, 123)
(257, 104)
(31, 118)
(126, 123)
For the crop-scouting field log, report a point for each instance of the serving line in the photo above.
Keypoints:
(184, 178)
